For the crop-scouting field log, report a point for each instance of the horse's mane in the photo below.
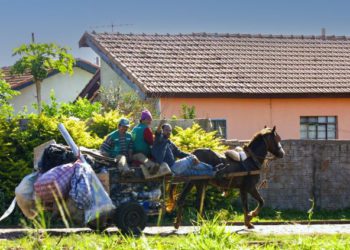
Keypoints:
(262, 132)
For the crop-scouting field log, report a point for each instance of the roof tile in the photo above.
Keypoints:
(231, 63)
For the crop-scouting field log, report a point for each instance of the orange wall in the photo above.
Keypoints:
(244, 117)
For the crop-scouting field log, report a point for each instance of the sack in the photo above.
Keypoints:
(80, 191)
(55, 155)
(101, 202)
(54, 183)
(25, 195)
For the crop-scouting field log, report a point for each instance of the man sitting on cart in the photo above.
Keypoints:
(119, 144)
(164, 150)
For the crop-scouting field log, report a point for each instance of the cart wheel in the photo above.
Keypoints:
(131, 218)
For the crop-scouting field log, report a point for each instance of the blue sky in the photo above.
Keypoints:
(64, 22)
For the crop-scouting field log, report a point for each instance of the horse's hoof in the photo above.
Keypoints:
(176, 225)
(250, 226)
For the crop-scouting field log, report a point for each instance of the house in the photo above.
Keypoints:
(301, 84)
(66, 87)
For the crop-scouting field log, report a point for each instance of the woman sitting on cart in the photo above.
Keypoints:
(164, 150)
(143, 141)
(118, 144)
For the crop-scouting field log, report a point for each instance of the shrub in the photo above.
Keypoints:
(82, 108)
(195, 137)
(103, 124)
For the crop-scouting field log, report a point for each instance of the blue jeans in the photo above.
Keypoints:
(187, 167)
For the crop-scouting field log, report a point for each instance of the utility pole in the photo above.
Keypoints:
(33, 38)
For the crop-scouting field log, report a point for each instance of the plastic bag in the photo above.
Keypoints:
(25, 195)
(101, 202)
(80, 192)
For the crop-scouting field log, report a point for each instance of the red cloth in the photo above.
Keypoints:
(148, 136)
(56, 181)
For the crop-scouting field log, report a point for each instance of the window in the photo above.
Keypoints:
(318, 127)
(220, 126)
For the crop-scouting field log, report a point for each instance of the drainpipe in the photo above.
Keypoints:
(271, 125)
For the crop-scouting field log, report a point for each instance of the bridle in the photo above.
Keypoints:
(265, 159)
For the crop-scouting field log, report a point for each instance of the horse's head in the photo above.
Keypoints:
(272, 141)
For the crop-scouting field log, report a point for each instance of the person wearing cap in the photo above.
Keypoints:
(143, 141)
(119, 145)
(180, 163)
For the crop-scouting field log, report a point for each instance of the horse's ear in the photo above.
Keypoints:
(273, 129)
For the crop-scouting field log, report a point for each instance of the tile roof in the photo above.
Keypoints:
(202, 64)
(20, 81)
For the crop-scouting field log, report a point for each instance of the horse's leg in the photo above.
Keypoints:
(244, 199)
(181, 203)
(256, 195)
(200, 187)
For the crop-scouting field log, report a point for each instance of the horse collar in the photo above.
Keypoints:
(251, 154)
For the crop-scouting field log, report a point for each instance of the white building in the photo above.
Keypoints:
(66, 87)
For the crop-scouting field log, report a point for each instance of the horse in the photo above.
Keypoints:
(267, 140)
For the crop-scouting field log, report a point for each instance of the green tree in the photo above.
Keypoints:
(188, 112)
(39, 59)
(6, 94)
(128, 103)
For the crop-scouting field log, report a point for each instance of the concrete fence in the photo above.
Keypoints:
(311, 169)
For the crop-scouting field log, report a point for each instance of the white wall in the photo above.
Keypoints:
(67, 88)
(109, 78)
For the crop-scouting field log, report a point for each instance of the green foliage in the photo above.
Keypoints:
(310, 212)
(39, 59)
(188, 112)
(211, 235)
(6, 94)
(103, 124)
(82, 108)
(79, 132)
(195, 137)
(128, 103)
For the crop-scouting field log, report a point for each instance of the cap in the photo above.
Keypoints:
(124, 122)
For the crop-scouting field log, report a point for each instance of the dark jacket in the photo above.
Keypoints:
(164, 150)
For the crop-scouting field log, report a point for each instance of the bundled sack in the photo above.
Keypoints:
(101, 203)
(80, 191)
(25, 195)
(55, 155)
(55, 182)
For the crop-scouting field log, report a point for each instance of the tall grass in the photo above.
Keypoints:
(210, 234)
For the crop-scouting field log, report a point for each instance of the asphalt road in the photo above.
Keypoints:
(11, 233)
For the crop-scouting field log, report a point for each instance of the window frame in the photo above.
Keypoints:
(224, 136)
(310, 121)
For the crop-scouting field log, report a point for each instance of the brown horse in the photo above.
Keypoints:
(267, 140)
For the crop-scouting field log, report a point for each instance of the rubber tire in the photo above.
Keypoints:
(131, 218)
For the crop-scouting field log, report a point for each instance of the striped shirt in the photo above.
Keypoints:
(117, 144)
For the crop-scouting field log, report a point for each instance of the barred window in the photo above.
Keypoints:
(220, 126)
(318, 127)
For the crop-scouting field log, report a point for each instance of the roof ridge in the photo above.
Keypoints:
(238, 35)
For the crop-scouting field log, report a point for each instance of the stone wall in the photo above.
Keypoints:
(318, 170)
